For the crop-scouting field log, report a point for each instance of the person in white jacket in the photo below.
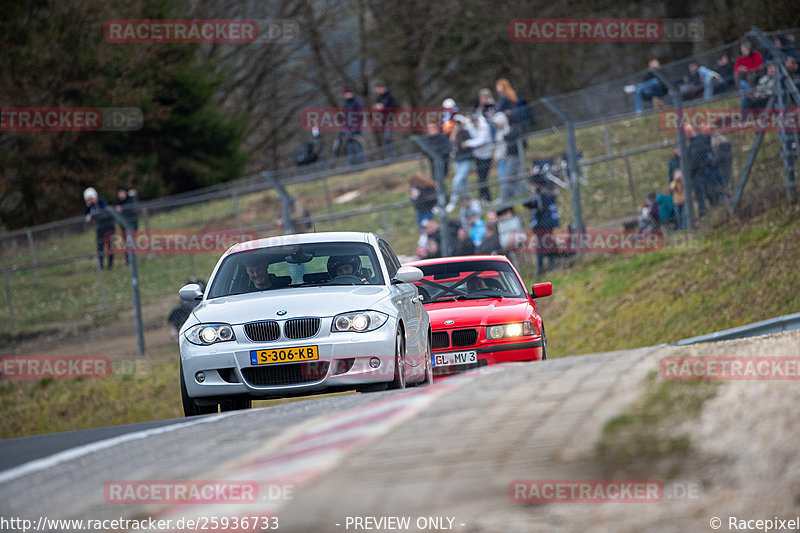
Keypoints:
(482, 148)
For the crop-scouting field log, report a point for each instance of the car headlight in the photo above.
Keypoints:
(359, 321)
(206, 334)
(517, 329)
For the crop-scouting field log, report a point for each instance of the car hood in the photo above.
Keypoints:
(296, 301)
(478, 312)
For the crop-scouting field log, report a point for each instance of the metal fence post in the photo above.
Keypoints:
(134, 270)
(236, 208)
(33, 254)
(287, 202)
(572, 163)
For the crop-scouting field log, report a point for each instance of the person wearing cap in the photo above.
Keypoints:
(386, 103)
(353, 116)
(95, 210)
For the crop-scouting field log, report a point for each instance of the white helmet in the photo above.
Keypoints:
(90, 192)
(449, 103)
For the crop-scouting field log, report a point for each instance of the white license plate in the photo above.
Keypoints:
(455, 358)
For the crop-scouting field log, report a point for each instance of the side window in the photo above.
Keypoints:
(392, 264)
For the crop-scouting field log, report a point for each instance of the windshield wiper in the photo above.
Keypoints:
(477, 297)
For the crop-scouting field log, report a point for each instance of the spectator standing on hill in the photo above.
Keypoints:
(793, 68)
(509, 103)
(484, 104)
(746, 66)
(678, 199)
(700, 157)
(438, 152)
(95, 210)
(674, 162)
(544, 220)
(462, 161)
(649, 88)
(422, 191)
(127, 205)
(481, 143)
(500, 155)
(386, 103)
(353, 111)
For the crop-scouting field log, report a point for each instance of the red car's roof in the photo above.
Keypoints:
(459, 259)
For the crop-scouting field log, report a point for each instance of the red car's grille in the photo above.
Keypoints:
(440, 340)
(464, 337)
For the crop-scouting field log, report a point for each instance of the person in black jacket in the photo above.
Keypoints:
(650, 87)
(422, 191)
(95, 210)
(126, 205)
(386, 103)
(700, 156)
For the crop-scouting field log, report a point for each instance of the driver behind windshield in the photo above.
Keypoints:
(345, 265)
(257, 272)
(476, 284)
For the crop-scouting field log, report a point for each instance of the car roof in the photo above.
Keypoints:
(459, 259)
(302, 238)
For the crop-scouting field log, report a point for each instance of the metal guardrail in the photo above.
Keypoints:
(765, 327)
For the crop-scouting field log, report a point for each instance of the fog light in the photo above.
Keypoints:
(200, 377)
(374, 362)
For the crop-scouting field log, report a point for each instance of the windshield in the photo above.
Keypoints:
(468, 280)
(298, 265)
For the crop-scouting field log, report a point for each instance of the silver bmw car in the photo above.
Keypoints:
(303, 314)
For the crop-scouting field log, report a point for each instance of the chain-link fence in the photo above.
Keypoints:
(591, 147)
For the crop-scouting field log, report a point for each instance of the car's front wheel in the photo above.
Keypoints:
(399, 381)
(544, 345)
(190, 407)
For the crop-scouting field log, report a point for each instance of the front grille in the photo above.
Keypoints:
(288, 374)
(301, 328)
(262, 331)
(439, 340)
(465, 337)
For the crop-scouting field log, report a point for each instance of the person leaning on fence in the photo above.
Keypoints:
(674, 163)
(126, 204)
(95, 210)
(500, 155)
(698, 79)
(759, 97)
(438, 152)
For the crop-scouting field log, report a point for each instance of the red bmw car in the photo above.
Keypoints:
(481, 313)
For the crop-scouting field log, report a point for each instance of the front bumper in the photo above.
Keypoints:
(490, 353)
(344, 362)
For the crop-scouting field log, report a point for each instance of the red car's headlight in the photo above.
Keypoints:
(517, 329)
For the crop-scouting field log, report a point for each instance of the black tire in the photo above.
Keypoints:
(236, 404)
(399, 381)
(428, 379)
(190, 407)
(544, 345)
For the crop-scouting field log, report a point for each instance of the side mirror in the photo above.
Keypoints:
(541, 289)
(407, 274)
(190, 292)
